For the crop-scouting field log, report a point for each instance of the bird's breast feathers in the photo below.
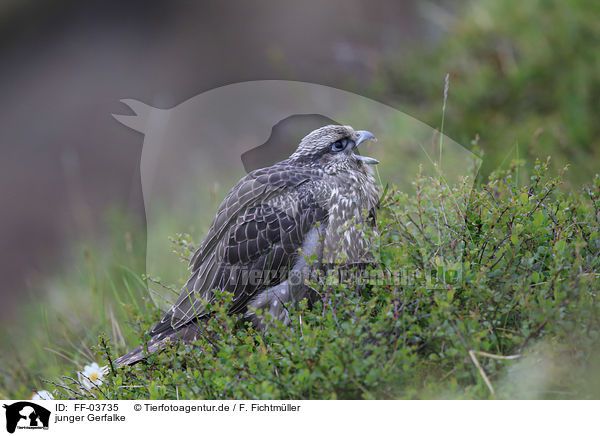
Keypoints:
(351, 196)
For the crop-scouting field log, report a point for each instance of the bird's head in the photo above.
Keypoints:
(333, 148)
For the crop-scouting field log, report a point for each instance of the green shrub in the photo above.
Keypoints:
(524, 78)
(518, 315)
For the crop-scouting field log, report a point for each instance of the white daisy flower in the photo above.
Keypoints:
(92, 375)
(42, 395)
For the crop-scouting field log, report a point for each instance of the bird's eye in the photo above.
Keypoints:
(339, 145)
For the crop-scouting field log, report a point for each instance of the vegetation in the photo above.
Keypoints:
(520, 319)
(499, 275)
(525, 82)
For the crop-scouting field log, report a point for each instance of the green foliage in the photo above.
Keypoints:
(511, 306)
(524, 78)
(51, 336)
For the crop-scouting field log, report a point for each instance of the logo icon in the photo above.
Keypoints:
(26, 415)
(191, 154)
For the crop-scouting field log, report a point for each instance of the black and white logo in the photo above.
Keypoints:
(26, 415)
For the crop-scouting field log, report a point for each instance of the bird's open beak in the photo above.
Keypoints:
(362, 136)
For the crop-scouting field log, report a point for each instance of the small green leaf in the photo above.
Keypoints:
(524, 198)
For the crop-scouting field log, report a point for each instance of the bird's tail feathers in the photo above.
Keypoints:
(162, 336)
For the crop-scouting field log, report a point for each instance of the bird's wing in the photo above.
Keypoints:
(252, 242)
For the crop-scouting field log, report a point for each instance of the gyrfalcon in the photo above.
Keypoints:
(313, 203)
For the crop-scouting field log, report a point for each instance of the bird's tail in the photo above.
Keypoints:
(162, 335)
(134, 356)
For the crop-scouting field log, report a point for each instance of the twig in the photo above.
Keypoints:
(58, 385)
(533, 334)
(497, 356)
(106, 352)
(481, 371)
(81, 386)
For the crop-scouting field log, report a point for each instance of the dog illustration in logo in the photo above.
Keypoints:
(32, 415)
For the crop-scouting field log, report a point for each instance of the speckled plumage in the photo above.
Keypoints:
(309, 203)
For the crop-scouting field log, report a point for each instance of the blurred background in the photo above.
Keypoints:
(524, 82)
(65, 66)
